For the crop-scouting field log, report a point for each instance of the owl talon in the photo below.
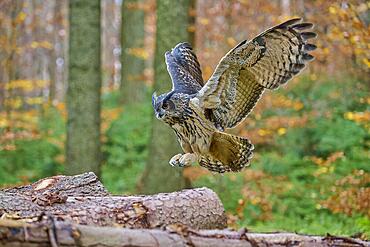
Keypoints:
(174, 161)
(182, 160)
(188, 159)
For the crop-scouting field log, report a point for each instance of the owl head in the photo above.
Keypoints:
(170, 106)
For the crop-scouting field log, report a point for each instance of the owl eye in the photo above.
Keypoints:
(165, 106)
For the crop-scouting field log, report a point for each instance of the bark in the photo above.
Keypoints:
(15, 233)
(83, 94)
(86, 184)
(172, 25)
(133, 89)
(70, 199)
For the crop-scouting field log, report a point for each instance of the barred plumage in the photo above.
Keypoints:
(199, 112)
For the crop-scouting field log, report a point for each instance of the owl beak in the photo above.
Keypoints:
(159, 114)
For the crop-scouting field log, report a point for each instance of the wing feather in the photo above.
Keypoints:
(184, 69)
(185, 56)
(267, 61)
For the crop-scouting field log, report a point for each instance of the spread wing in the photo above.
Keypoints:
(267, 61)
(184, 69)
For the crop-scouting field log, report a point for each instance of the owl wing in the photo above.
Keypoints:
(184, 69)
(267, 61)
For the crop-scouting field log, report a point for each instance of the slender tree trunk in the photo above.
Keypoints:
(52, 66)
(10, 62)
(133, 52)
(110, 38)
(285, 7)
(62, 52)
(83, 94)
(172, 28)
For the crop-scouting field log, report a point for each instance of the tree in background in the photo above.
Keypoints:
(133, 52)
(56, 66)
(172, 27)
(9, 53)
(83, 94)
(110, 44)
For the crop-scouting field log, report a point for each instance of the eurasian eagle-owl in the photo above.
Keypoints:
(199, 111)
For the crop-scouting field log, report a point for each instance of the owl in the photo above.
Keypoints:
(199, 111)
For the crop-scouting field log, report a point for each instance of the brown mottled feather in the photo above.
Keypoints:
(227, 153)
(267, 61)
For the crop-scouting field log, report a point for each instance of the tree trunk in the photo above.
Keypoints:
(285, 7)
(86, 184)
(50, 233)
(10, 61)
(61, 48)
(53, 53)
(172, 28)
(133, 89)
(82, 199)
(83, 94)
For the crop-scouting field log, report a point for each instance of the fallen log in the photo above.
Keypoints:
(83, 200)
(47, 233)
(86, 184)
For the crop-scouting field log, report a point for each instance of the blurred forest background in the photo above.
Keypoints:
(75, 83)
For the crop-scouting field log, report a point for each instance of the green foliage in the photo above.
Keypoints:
(337, 134)
(51, 123)
(126, 149)
(318, 223)
(32, 159)
(34, 152)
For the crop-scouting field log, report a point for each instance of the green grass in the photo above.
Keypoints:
(126, 150)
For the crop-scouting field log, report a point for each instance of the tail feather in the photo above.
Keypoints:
(228, 153)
